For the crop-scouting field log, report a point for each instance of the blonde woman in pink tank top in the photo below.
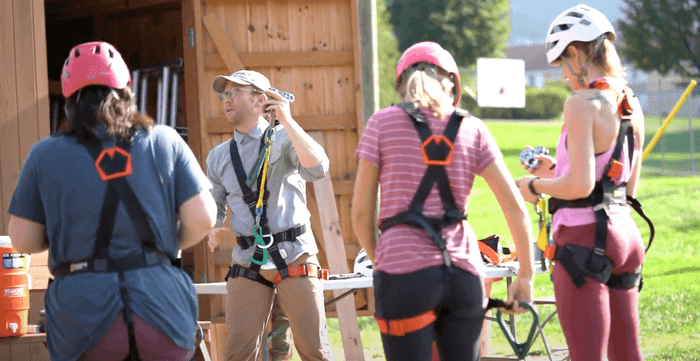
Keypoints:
(597, 318)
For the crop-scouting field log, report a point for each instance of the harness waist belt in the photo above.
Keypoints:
(304, 270)
(403, 326)
(289, 235)
(238, 271)
(123, 264)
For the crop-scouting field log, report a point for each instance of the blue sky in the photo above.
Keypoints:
(530, 19)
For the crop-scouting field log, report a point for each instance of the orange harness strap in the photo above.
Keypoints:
(304, 270)
(403, 326)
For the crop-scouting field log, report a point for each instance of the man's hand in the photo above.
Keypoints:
(215, 237)
(279, 104)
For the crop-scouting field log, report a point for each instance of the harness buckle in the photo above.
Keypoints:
(436, 142)
(74, 267)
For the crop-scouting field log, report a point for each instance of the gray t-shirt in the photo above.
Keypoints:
(286, 182)
(59, 187)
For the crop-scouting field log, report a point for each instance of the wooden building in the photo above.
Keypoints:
(311, 48)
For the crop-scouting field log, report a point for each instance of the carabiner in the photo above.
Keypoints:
(259, 242)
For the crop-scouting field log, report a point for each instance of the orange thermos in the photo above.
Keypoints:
(14, 290)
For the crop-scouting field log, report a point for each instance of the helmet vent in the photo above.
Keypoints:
(97, 50)
(584, 22)
(561, 27)
(552, 45)
(111, 53)
(77, 53)
(575, 14)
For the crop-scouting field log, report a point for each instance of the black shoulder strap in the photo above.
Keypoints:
(434, 173)
(249, 197)
(113, 163)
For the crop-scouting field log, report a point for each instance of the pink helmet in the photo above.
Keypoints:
(433, 53)
(95, 63)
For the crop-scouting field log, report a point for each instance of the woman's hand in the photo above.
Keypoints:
(546, 166)
(524, 189)
(520, 290)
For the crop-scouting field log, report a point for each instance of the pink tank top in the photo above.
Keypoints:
(581, 216)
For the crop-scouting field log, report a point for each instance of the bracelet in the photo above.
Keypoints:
(532, 189)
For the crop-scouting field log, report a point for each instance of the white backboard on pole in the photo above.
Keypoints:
(500, 83)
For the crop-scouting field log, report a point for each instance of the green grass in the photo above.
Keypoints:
(670, 300)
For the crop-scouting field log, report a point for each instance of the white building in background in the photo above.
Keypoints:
(657, 94)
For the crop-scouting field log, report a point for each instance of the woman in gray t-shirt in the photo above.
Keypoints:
(104, 197)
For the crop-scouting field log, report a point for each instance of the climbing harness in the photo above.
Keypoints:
(493, 252)
(581, 262)
(266, 244)
(437, 152)
(113, 165)
(519, 348)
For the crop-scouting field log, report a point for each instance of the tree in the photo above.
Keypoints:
(469, 29)
(388, 55)
(662, 35)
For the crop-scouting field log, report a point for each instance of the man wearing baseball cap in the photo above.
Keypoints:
(275, 255)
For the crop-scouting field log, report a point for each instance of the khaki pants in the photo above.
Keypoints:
(248, 307)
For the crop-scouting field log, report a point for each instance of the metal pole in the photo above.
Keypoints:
(174, 99)
(692, 145)
(143, 98)
(135, 85)
(163, 111)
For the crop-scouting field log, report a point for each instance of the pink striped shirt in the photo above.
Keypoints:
(391, 142)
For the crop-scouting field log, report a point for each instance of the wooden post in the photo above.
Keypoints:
(337, 262)
(367, 10)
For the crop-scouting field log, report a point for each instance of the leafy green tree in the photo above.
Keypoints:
(662, 35)
(388, 55)
(469, 29)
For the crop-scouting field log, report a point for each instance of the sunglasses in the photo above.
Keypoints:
(230, 94)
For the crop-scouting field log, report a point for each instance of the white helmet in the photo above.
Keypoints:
(363, 265)
(579, 23)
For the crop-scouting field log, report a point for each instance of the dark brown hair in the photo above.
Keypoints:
(96, 104)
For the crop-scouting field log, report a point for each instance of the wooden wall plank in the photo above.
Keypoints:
(38, 351)
(9, 152)
(219, 124)
(42, 77)
(284, 58)
(257, 27)
(27, 117)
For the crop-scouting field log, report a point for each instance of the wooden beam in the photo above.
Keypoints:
(73, 9)
(195, 92)
(42, 71)
(357, 48)
(217, 125)
(337, 262)
(222, 43)
(288, 58)
(10, 162)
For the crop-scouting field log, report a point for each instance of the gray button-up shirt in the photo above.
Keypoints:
(286, 182)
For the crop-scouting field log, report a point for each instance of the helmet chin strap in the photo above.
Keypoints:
(581, 76)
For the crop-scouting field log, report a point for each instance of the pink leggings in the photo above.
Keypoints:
(595, 318)
(151, 344)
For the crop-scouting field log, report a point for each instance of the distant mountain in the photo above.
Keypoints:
(530, 19)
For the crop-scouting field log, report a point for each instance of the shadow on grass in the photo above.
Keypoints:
(674, 272)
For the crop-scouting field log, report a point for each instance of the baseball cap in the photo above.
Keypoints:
(243, 77)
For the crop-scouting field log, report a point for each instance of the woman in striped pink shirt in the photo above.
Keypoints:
(428, 279)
